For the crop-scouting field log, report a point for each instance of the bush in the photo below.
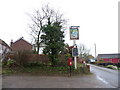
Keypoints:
(67, 55)
(111, 66)
(21, 57)
(11, 63)
(35, 64)
(100, 61)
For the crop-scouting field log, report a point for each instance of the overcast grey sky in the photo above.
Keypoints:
(98, 21)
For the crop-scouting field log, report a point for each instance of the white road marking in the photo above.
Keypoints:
(102, 80)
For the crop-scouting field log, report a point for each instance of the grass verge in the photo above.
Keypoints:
(45, 70)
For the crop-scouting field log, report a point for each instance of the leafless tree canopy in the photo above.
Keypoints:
(83, 51)
(45, 15)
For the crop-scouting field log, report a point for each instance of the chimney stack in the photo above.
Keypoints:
(11, 43)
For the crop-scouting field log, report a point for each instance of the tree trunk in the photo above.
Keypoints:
(38, 42)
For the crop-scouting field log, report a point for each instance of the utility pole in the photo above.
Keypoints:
(95, 49)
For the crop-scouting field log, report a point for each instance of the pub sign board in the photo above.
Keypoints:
(74, 52)
(74, 32)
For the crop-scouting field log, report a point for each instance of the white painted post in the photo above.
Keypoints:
(75, 61)
(75, 58)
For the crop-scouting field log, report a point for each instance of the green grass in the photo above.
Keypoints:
(64, 71)
(7, 71)
(45, 69)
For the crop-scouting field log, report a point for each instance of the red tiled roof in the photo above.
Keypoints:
(23, 40)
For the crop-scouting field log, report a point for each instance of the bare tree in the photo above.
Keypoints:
(36, 28)
(42, 17)
(83, 51)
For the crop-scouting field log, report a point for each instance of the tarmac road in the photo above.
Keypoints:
(35, 81)
(107, 76)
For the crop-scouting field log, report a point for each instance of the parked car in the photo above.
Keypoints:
(91, 60)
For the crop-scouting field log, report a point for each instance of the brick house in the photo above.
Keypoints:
(21, 45)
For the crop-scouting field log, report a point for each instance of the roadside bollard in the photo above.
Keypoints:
(88, 67)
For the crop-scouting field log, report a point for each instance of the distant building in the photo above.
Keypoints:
(4, 49)
(21, 45)
(113, 58)
(41, 48)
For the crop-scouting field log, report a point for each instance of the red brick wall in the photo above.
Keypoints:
(21, 45)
